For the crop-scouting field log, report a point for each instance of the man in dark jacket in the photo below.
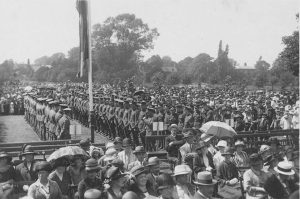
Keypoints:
(173, 142)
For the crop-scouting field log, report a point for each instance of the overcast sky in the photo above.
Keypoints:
(33, 28)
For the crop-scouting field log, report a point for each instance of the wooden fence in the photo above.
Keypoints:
(253, 140)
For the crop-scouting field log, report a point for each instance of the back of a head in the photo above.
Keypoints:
(130, 195)
(92, 194)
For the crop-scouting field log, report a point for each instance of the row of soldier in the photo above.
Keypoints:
(49, 118)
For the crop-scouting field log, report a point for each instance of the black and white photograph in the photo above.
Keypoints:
(149, 99)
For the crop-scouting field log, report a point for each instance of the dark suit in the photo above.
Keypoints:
(64, 183)
(23, 173)
(177, 143)
(198, 164)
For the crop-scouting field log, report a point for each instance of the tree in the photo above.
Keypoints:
(273, 80)
(7, 70)
(260, 80)
(186, 79)
(173, 79)
(42, 74)
(224, 65)
(286, 79)
(118, 44)
(288, 59)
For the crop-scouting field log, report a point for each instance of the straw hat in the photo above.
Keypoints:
(284, 168)
(5, 155)
(239, 143)
(222, 143)
(182, 170)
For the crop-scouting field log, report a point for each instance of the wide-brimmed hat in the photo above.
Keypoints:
(28, 150)
(43, 166)
(109, 154)
(284, 168)
(204, 178)
(117, 163)
(139, 149)
(85, 142)
(126, 142)
(239, 143)
(173, 126)
(222, 143)
(153, 161)
(227, 151)
(164, 180)
(137, 170)
(263, 148)
(182, 170)
(61, 162)
(200, 145)
(114, 173)
(91, 165)
(5, 155)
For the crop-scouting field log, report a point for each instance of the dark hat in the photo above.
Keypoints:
(188, 132)
(118, 140)
(204, 178)
(63, 106)
(151, 109)
(137, 170)
(254, 158)
(139, 149)
(126, 142)
(91, 165)
(164, 181)
(61, 162)
(28, 150)
(113, 173)
(85, 142)
(5, 155)
(43, 166)
(227, 151)
(117, 163)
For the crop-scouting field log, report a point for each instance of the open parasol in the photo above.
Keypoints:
(140, 92)
(67, 152)
(218, 129)
(28, 88)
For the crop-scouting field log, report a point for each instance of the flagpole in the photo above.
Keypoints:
(90, 77)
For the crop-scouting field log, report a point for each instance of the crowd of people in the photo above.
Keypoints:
(121, 172)
(197, 165)
(11, 100)
(123, 114)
